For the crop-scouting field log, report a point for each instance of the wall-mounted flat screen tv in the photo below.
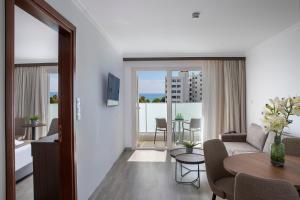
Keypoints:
(113, 88)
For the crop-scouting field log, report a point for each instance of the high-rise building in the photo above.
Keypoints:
(186, 87)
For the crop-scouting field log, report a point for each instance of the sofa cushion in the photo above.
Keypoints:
(269, 142)
(256, 136)
(234, 148)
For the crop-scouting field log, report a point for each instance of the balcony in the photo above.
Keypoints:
(146, 121)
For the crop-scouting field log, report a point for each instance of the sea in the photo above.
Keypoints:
(52, 94)
(152, 96)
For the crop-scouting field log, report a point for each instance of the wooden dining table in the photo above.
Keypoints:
(259, 165)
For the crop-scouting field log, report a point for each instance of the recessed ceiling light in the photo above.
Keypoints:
(195, 14)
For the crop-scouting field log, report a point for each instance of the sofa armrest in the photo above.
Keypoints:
(234, 137)
(229, 132)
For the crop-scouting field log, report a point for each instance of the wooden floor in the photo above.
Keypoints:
(147, 181)
(137, 179)
(24, 189)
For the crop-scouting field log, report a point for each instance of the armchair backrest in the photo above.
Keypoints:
(249, 187)
(214, 154)
(19, 129)
(195, 123)
(53, 129)
(292, 146)
(161, 122)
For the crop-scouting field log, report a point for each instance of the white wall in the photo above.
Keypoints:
(2, 84)
(34, 41)
(273, 70)
(99, 133)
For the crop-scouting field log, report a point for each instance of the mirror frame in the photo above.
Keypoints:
(66, 62)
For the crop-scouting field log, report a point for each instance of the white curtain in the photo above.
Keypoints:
(223, 97)
(32, 95)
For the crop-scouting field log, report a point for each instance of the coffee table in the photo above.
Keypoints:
(182, 159)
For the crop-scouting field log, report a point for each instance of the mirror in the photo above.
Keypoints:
(36, 94)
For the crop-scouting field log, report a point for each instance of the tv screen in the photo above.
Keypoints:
(113, 88)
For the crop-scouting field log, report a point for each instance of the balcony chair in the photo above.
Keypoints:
(292, 146)
(161, 125)
(249, 188)
(220, 181)
(194, 126)
(53, 129)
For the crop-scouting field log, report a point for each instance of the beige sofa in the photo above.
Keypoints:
(256, 140)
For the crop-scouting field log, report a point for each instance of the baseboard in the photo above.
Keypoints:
(93, 196)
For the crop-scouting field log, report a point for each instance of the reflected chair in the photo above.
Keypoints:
(249, 188)
(53, 129)
(161, 125)
(292, 146)
(220, 181)
(194, 126)
(20, 131)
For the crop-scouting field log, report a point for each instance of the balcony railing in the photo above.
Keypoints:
(149, 111)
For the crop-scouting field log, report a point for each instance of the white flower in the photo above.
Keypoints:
(275, 123)
(296, 110)
(297, 99)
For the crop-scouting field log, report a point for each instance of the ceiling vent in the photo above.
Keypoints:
(195, 15)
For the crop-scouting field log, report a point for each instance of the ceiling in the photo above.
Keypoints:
(166, 28)
(34, 41)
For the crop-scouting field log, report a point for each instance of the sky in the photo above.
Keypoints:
(54, 82)
(153, 82)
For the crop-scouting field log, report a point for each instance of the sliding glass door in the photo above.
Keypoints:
(169, 108)
(186, 99)
(152, 110)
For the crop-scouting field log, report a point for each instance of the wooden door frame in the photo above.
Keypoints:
(66, 61)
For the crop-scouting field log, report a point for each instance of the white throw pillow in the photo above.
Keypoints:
(269, 142)
(256, 136)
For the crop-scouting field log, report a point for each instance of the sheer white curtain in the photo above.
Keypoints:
(223, 97)
(32, 94)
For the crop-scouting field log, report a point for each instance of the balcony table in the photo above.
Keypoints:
(178, 123)
(259, 165)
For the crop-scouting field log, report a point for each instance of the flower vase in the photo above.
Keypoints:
(34, 122)
(189, 150)
(277, 152)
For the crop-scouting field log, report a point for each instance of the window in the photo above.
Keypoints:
(53, 94)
